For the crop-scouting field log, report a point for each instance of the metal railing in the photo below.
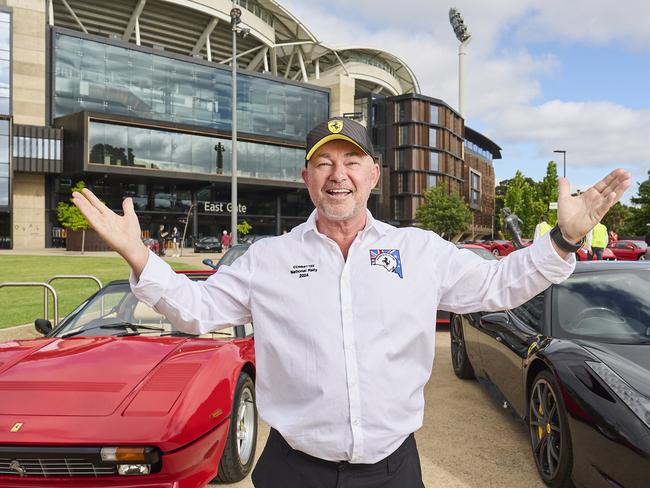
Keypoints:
(70, 277)
(55, 299)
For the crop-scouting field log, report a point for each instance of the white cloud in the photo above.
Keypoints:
(505, 83)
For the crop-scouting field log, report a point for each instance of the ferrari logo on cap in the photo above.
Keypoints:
(17, 426)
(335, 126)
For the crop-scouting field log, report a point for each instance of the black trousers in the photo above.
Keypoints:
(280, 466)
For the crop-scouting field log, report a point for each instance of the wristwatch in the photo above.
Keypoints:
(562, 243)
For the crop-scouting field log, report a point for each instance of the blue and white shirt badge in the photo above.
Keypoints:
(388, 259)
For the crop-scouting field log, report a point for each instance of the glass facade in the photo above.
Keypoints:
(433, 137)
(433, 114)
(4, 163)
(474, 188)
(5, 62)
(94, 76)
(122, 145)
(478, 150)
(434, 161)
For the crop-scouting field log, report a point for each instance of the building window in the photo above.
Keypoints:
(432, 181)
(4, 163)
(399, 159)
(403, 135)
(91, 75)
(5, 62)
(434, 161)
(403, 182)
(400, 112)
(433, 110)
(398, 208)
(433, 137)
(121, 145)
(474, 188)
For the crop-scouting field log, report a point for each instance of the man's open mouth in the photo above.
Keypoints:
(338, 192)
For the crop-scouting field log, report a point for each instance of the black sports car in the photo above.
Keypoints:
(574, 363)
(207, 244)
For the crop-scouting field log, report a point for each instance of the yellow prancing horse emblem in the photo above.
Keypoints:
(335, 126)
(17, 426)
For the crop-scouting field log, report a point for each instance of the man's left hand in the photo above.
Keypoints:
(577, 215)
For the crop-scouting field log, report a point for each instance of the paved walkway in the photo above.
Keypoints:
(189, 256)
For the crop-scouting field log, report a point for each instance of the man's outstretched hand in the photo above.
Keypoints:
(120, 232)
(576, 216)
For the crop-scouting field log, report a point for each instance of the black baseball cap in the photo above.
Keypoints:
(340, 128)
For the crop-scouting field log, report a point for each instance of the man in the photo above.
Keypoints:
(599, 240)
(343, 311)
(225, 241)
(160, 237)
(541, 228)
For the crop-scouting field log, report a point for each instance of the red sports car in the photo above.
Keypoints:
(628, 250)
(608, 255)
(116, 397)
(498, 247)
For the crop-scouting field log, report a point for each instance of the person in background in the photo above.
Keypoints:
(587, 247)
(160, 237)
(613, 237)
(225, 241)
(176, 239)
(599, 240)
(542, 228)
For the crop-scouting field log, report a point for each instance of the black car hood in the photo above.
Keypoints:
(630, 362)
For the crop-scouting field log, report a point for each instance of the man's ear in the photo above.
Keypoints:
(376, 174)
(305, 175)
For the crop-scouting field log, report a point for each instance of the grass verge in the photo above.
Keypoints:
(22, 305)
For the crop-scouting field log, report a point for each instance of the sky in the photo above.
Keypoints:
(540, 75)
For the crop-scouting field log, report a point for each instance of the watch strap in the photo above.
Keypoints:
(562, 243)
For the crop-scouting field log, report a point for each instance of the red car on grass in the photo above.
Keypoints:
(116, 397)
(628, 250)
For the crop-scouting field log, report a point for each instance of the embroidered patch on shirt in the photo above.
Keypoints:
(388, 259)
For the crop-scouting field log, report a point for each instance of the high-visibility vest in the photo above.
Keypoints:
(600, 236)
(544, 227)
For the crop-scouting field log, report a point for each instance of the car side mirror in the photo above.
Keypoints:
(496, 321)
(43, 326)
(209, 262)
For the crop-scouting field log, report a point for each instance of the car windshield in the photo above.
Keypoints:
(115, 311)
(605, 306)
(484, 253)
(232, 254)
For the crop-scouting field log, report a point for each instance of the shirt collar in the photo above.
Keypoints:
(372, 225)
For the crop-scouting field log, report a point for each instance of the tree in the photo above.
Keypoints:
(547, 192)
(616, 218)
(442, 213)
(519, 198)
(244, 228)
(71, 217)
(640, 213)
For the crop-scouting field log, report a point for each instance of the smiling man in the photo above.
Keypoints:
(344, 312)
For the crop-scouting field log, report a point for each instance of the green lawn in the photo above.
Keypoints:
(23, 305)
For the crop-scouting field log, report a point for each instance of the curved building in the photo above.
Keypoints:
(134, 98)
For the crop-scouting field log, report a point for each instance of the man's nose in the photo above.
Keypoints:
(338, 173)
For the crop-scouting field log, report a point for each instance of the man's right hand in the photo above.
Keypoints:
(122, 233)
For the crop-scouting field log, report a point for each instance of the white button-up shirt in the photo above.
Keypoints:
(344, 347)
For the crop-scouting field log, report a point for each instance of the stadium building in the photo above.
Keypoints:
(134, 98)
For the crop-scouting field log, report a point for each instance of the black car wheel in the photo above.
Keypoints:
(459, 359)
(239, 453)
(549, 432)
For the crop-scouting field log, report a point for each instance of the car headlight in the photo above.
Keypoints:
(131, 460)
(636, 402)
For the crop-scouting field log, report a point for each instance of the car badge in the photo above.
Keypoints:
(17, 468)
(335, 126)
(17, 426)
